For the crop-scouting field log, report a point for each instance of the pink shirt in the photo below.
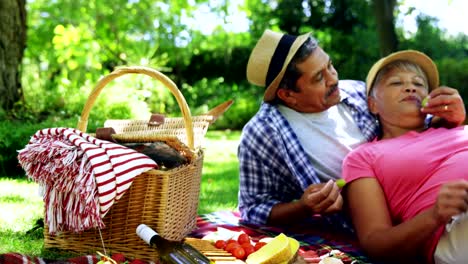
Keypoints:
(411, 169)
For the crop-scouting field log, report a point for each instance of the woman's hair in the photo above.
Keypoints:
(292, 73)
(400, 65)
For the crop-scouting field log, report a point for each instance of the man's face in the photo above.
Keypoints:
(317, 86)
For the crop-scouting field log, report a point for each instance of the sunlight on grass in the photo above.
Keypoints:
(20, 204)
(220, 180)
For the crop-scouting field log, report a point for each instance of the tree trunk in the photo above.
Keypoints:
(385, 20)
(12, 45)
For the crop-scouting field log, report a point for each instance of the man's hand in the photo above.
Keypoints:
(452, 200)
(447, 106)
(322, 198)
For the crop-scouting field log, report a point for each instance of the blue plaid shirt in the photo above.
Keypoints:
(274, 167)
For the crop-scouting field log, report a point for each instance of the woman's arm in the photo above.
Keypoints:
(377, 235)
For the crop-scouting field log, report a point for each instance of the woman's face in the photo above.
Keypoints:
(396, 98)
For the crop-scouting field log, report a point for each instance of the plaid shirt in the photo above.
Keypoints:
(274, 168)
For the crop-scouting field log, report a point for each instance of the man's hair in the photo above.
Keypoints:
(292, 73)
(400, 65)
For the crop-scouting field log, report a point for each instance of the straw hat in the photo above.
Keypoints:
(269, 59)
(419, 58)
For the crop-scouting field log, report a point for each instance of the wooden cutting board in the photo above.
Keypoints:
(219, 256)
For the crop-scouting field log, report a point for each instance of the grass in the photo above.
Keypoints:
(21, 206)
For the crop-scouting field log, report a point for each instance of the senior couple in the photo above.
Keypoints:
(403, 160)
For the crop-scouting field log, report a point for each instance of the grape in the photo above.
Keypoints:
(424, 101)
(341, 183)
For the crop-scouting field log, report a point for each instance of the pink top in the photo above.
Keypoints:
(411, 168)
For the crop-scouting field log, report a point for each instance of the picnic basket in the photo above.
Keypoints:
(165, 200)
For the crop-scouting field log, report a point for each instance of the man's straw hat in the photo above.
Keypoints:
(419, 58)
(269, 59)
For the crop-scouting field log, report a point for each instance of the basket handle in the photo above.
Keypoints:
(83, 122)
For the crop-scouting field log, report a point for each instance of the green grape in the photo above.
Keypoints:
(341, 183)
(424, 101)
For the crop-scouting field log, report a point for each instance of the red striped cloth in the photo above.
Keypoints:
(82, 176)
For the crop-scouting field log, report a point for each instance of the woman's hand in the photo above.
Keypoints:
(445, 103)
(452, 200)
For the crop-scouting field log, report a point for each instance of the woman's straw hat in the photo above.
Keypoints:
(419, 58)
(269, 59)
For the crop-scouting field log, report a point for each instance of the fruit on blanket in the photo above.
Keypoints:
(276, 251)
(231, 246)
(238, 253)
(120, 258)
(244, 242)
(248, 248)
(221, 244)
(259, 245)
(243, 238)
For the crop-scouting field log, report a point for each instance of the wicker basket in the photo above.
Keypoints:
(165, 200)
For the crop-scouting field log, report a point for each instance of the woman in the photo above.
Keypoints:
(407, 190)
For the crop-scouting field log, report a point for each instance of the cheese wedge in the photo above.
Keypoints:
(276, 251)
(293, 247)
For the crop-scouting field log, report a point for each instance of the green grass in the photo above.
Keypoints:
(21, 206)
(220, 177)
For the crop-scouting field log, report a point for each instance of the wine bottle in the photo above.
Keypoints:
(171, 252)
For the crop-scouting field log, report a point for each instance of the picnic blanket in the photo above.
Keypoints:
(318, 241)
(82, 176)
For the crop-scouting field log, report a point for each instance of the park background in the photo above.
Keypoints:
(52, 53)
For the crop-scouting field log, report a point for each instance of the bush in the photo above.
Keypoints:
(208, 93)
(16, 134)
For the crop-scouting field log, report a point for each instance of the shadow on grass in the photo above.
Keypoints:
(31, 243)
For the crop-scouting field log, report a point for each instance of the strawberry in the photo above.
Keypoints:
(118, 257)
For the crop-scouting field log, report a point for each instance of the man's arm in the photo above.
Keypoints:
(317, 199)
(257, 193)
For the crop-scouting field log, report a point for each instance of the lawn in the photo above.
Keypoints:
(21, 206)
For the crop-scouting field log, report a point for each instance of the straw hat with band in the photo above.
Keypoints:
(419, 58)
(269, 59)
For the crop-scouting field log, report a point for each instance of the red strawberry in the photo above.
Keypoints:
(118, 257)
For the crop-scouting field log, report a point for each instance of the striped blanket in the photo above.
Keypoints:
(81, 176)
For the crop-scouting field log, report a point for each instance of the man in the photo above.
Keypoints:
(291, 151)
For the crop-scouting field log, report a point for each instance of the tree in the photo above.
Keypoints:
(12, 45)
(385, 20)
